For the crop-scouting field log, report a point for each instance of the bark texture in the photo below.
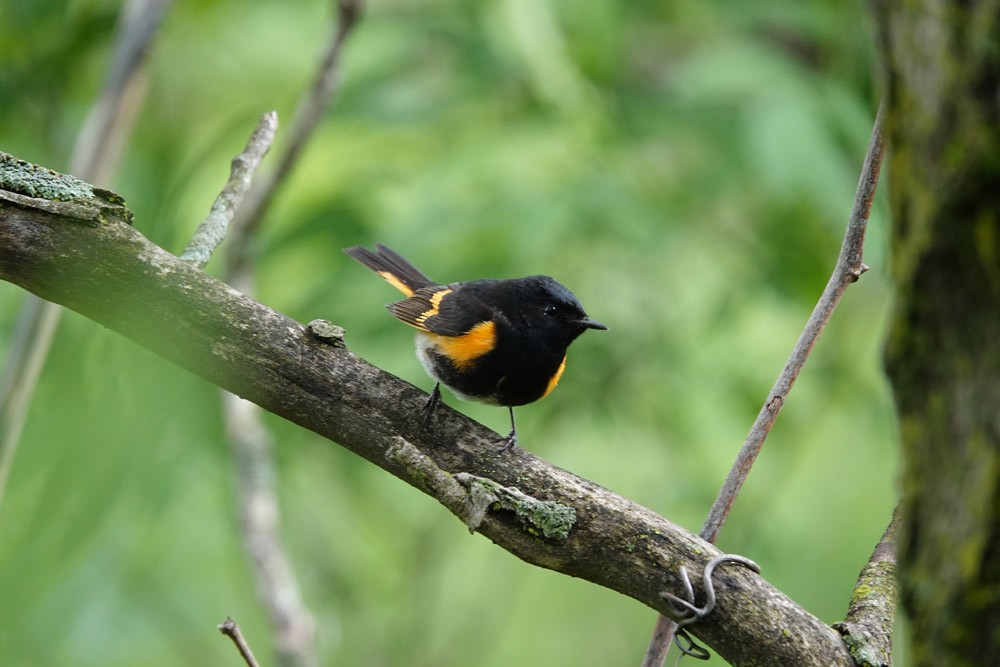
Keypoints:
(942, 62)
(108, 272)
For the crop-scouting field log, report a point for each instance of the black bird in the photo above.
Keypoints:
(501, 342)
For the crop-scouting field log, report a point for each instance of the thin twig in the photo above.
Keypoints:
(229, 628)
(109, 122)
(250, 441)
(95, 156)
(257, 506)
(212, 230)
(31, 340)
(310, 111)
(867, 627)
(846, 272)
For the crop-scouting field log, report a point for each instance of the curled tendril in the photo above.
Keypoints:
(687, 612)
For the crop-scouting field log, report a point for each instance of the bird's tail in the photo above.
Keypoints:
(390, 265)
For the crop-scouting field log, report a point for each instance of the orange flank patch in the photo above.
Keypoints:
(396, 282)
(554, 380)
(464, 349)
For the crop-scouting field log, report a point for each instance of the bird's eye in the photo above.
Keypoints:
(550, 309)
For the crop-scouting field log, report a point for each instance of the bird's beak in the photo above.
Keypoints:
(588, 323)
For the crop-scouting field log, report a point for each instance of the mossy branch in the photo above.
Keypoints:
(871, 616)
(113, 275)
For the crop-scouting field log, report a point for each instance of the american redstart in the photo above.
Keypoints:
(501, 342)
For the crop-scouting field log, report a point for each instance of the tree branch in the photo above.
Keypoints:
(846, 272)
(212, 230)
(115, 276)
(868, 626)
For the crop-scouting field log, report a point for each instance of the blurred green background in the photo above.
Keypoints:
(686, 168)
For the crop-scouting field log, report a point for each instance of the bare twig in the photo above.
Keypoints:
(310, 111)
(95, 155)
(212, 230)
(847, 271)
(109, 122)
(31, 340)
(229, 628)
(257, 506)
(867, 628)
(250, 441)
(252, 446)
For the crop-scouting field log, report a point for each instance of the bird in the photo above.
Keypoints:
(501, 342)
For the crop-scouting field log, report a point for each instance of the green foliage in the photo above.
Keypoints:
(687, 169)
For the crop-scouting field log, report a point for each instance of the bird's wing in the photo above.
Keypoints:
(446, 310)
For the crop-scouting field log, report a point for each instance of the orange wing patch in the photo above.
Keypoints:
(422, 305)
(554, 380)
(463, 350)
(435, 302)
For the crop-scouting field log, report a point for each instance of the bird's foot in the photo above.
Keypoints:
(430, 405)
(509, 442)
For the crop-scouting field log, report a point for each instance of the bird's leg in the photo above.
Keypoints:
(431, 403)
(511, 439)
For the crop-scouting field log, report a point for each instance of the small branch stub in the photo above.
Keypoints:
(550, 520)
(229, 628)
(470, 497)
(327, 332)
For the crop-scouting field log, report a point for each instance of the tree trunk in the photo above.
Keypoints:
(942, 63)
